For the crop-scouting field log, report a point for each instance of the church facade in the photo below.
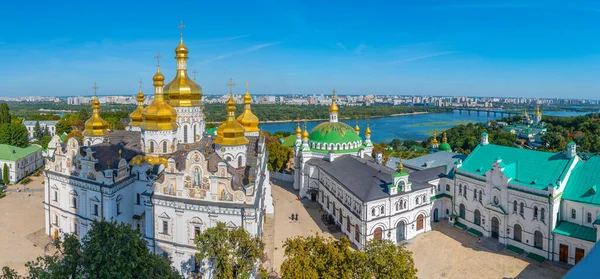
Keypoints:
(164, 175)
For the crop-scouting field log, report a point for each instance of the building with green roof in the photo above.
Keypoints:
(20, 162)
(327, 140)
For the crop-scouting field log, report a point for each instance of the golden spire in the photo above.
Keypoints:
(537, 111)
(298, 129)
(247, 118)
(333, 108)
(95, 126)
(400, 167)
(434, 140)
(444, 139)
(136, 116)
(305, 132)
(230, 132)
(159, 116)
(368, 131)
(182, 91)
(524, 112)
(356, 128)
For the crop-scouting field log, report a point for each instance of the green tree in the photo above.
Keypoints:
(318, 257)
(110, 250)
(5, 174)
(63, 126)
(5, 133)
(5, 117)
(234, 252)
(46, 131)
(83, 114)
(44, 141)
(75, 134)
(38, 133)
(396, 144)
(18, 135)
(279, 155)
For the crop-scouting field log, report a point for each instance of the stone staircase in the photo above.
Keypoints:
(491, 244)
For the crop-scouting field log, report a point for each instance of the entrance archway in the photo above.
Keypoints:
(378, 234)
(495, 227)
(419, 222)
(435, 215)
(400, 231)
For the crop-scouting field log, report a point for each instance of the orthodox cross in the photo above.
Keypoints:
(334, 97)
(140, 83)
(195, 72)
(231, 85)
(246, 85)
(181, 26)
(95, 87)
(158, 57)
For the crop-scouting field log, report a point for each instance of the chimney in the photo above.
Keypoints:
(571, 150)
(379, 157)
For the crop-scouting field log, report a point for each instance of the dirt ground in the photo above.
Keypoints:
(445, 252)
(22, 225)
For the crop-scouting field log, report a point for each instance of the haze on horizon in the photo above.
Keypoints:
(476, 48)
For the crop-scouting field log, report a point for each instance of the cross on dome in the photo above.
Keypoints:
(181, 26)
(231, 85)
(140, 83)
(158, 57)
(95, 87)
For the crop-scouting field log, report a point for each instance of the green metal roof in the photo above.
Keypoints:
(13, 153)
(584, 182)
(475, 232)
(576, 231)
(333, 132)
(535, 169)
(439, 196)
(445, 147)
(289, 141)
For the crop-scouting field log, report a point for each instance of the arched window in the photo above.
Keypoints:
(382, 210)
(417, 200)
(240, 161)
(589, 217)
(459, 190)
(356, 232)
(447, 187)
(573, 213)
(439, 186)
(538, 240)
(522, 209)
(74, 202)
(373, 211)
(517, 233)
(480, 195)
(465, 192)
(475, 194)
(461, 211)
(151, 147)
(535, 212)
(378, 234)
(165, 147)
(515, 206)
(477, 217)
(398, 205)
(185, 136)
(543, 215)
(347, 223)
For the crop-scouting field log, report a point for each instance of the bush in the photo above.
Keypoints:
(25, 180)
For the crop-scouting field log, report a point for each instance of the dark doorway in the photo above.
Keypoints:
(564, 253)
(495, 227)
(435, 215)
(579, 253)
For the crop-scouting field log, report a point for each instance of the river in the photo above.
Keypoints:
(414, 127)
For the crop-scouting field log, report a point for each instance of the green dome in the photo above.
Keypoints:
(445, 147)
(333, 132)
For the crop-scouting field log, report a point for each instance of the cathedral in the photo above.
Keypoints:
(165, 176)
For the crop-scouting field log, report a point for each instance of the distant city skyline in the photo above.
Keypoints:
(442, 48)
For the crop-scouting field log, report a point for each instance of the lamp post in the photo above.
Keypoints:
(243, 214)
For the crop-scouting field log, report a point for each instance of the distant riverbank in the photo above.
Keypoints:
(344, 118)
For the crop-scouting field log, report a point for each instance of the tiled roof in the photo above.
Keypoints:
(535, 169)
(433, 160)
(584, 182)
(13, 153)
(576, 231)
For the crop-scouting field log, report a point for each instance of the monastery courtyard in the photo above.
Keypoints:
(445, 252)
(22, 225)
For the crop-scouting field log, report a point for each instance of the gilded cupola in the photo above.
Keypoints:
(247, 118)
(298, 130)
(159, 116)
(305, 133)
(136, 116)
(333, 108)
(368, 131)
(230, 132)
(182, 91)
(95, 126)
(356, 128)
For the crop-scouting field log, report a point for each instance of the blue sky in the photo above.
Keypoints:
(480, 48)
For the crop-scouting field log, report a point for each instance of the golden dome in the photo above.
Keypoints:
(356, 128)
(333, 108)
(298, 130)
(231, 132)
(444, 138)
(537, 111)
(182, 91)
(95, 126)
(368, 131)
(434, 140)
(247, 118)
(136, 116)
(159, 116)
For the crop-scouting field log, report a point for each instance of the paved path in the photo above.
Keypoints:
(22, 225)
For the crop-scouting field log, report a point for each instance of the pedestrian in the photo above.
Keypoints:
(292, 216)
(296, 216)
